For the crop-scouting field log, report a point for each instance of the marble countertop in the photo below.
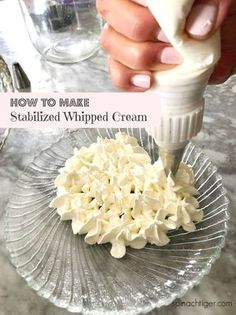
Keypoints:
(217, 139)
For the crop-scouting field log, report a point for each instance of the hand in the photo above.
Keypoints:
(136, 46)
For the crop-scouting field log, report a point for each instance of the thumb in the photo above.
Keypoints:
(206, 17)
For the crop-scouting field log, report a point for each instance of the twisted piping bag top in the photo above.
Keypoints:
(198, 55)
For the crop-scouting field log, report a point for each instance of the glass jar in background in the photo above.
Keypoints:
(63, 31)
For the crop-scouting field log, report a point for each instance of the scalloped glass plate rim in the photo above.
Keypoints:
(162, 302)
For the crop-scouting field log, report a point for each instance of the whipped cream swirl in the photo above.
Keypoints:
(112, 193)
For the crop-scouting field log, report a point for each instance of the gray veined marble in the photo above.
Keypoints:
(217, 139)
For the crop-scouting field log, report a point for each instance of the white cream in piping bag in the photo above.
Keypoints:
(112, 193)
(181, 88)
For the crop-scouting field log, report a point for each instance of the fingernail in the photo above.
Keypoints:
(170, 56)
(141, 80)
(162, 37)
(105, 26)
(142, 2)
(202, 18)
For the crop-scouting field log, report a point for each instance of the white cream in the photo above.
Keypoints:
(112, 193)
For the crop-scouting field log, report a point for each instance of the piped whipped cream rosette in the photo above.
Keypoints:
(113, 194)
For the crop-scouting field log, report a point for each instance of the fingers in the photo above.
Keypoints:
(224, 8)
(224, 69)
(138, 56)
(129, 19)
(132, 40)
(128, 79)
(137, 46)
(206, 17)
(141, 2)
(227, 63)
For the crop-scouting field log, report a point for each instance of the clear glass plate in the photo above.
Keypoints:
(61, 267)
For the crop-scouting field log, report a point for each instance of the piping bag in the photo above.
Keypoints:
(181, 88)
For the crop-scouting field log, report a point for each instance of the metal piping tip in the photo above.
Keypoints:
(20, 79)
(171, 159)
(6, 84)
